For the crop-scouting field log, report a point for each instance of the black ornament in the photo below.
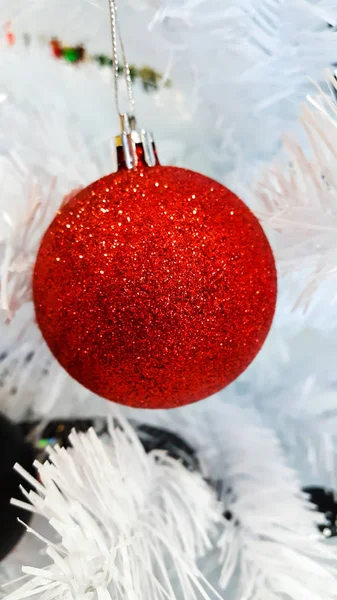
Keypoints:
(324, 501)
(155, 438)
(152, 438)
(13, 448)
(59, 431)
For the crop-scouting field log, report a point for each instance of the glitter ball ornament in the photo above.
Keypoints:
(155, 286)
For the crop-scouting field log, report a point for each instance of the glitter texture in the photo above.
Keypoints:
(155, 287)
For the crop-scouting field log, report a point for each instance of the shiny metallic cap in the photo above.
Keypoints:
(135, 144)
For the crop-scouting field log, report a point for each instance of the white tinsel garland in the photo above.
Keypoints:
(125, 517)
(128, 524)
(272, 529)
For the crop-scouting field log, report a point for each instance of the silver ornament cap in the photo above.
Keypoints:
(133, 145)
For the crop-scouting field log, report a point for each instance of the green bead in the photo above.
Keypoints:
(103, 60)
(149, 78)
(133, 72)
(71, 54)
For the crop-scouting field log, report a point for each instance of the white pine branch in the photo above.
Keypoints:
(295, 390)
(18, 248)
(300, 201)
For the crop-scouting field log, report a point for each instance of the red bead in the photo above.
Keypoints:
(155, 287)
(56, 48)
(10, 38)
(9, 34)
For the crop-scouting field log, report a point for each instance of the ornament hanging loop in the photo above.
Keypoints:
(133, 146)
(115, 38)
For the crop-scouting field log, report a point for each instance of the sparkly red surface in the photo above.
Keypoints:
(155, 288)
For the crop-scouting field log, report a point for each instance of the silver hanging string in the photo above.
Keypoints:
(113, 25)
(115, 36)
(127, 73)
(130, 138)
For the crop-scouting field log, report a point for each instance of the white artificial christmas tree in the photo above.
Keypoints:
(125, 523)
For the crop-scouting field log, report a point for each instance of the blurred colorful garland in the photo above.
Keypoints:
(149, 78)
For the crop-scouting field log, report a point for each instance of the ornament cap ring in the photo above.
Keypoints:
(134, 146)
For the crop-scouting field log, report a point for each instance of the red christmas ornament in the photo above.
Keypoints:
(155, 286)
